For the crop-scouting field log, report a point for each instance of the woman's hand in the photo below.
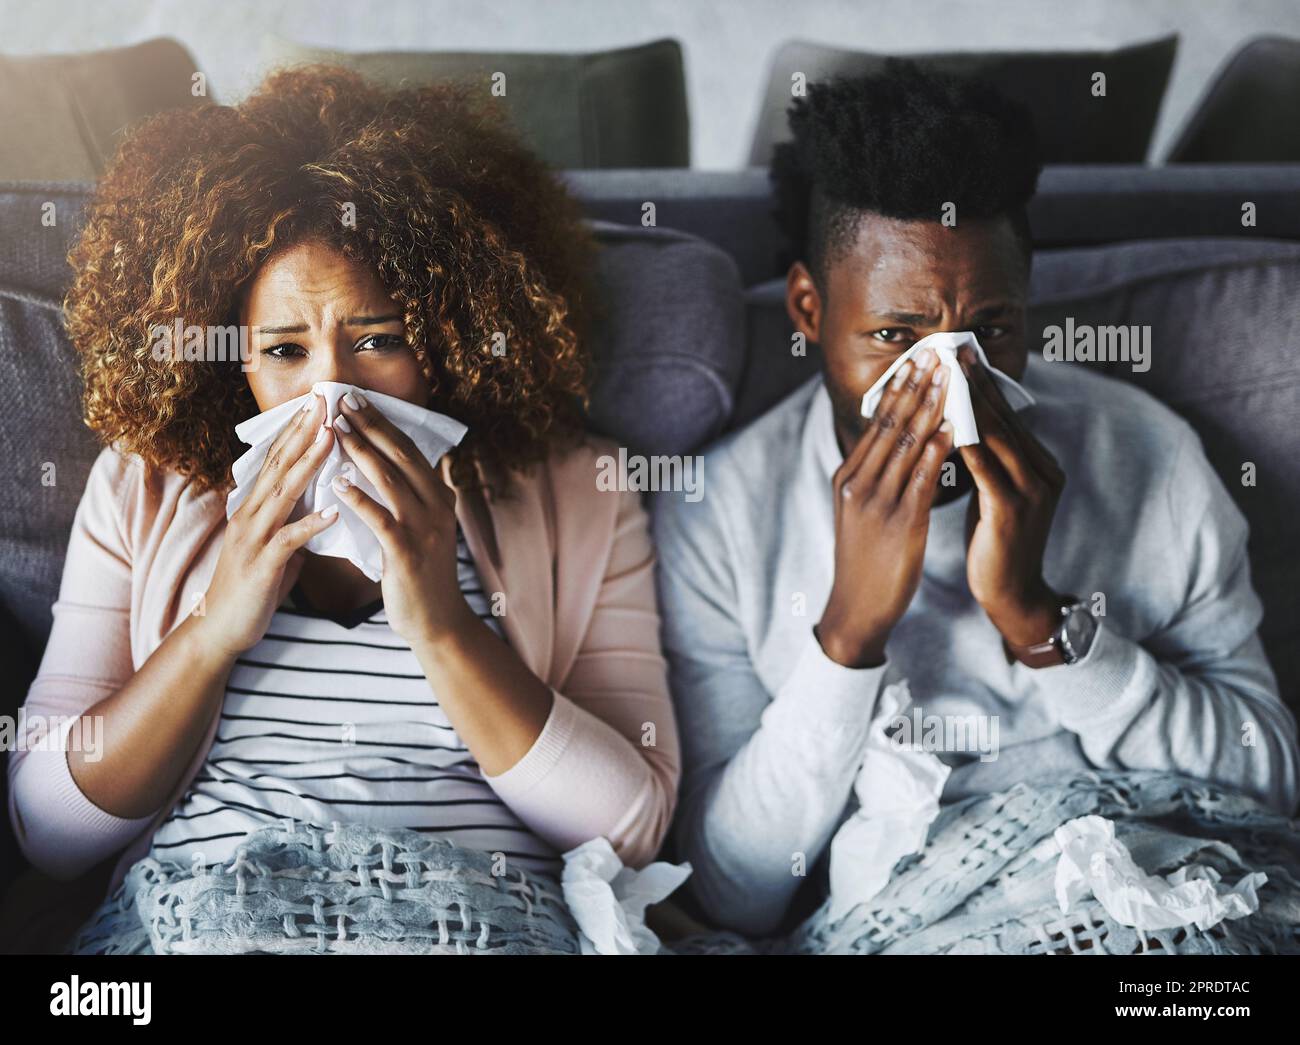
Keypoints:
(261, 556)
(422, 596)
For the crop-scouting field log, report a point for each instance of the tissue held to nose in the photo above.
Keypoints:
(957, 407)
(349, 538)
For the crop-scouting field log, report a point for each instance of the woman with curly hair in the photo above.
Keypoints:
(501, 688)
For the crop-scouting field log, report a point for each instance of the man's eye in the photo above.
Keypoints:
(380, 342)
(990, 333)
(282, 351)
(892, 334)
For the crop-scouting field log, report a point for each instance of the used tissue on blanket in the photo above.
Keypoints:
(957, 406)
(1093, 861)
(348, 538)
(608, 900)
(898, 790)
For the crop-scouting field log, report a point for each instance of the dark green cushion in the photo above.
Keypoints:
(64, 115)
(1073, 126)
(624, 108)
(1248, 113)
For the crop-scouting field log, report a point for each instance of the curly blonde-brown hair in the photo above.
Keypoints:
(470, 233)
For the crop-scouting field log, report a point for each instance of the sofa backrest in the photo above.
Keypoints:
(1074, 206)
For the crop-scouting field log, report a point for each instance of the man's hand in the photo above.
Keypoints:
(883, 492)
(1018, 483)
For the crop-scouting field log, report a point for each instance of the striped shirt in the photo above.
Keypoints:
(332, 719)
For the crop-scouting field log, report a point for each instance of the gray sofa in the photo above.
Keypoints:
(692, 340)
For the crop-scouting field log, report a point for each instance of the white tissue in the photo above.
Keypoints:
(957, 406)
(898, 793)
(608, 900)
(1094, 861)
(348, 538)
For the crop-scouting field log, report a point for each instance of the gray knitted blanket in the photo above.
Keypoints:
(351, 889)
(982, 884)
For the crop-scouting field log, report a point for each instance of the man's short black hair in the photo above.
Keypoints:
(900, 143)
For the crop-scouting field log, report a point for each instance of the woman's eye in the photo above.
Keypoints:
(380, 342)
(282, 351)
(990, 333)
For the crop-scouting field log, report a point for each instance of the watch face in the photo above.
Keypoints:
(1080, 627)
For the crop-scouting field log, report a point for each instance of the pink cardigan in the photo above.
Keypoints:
(576, 566)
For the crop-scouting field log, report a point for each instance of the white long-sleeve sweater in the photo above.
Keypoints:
(773, 731)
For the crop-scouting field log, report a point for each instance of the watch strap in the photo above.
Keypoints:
(1049, 652)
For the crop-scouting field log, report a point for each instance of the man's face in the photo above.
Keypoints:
(899, 282)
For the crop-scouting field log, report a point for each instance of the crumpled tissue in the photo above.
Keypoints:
(898, 790)
(1094, 862)
(349, 538)
(957, 406)
(608, 900)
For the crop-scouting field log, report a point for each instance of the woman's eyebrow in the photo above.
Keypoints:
(352, 321)
(371, 321)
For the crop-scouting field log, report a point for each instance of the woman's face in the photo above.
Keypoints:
(315, 315)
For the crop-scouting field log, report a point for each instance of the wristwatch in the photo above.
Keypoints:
(1069, 643)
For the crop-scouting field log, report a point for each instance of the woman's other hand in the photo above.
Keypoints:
(417, 532)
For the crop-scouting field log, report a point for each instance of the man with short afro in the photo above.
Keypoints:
(832, 554)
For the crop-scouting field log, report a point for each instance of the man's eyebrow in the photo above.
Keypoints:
(992, 311)
(911, 318)
(351, 321)
(921, 318)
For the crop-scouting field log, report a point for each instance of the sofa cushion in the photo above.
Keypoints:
(620, 108)
(1247, 113)
(665, 342)
(48, 449)
(1073, 207)
(64, 114)
(1225, 355)
(1073, 125)
(667, 339)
